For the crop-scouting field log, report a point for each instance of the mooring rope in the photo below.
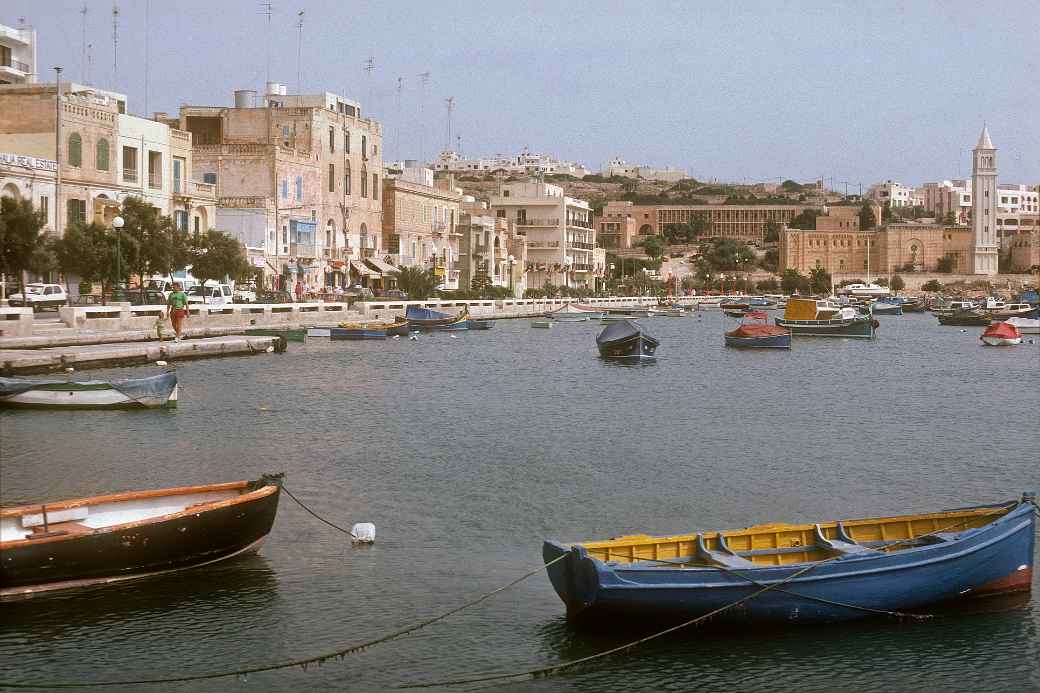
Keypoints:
(553, 669)
(302, 663)
(316, 515)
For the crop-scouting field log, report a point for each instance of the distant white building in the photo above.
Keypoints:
(522, 164)
(17, 55)
(619, 167)
(895, 194)
(1017, 205)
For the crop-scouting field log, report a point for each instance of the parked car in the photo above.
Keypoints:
(148, 297)
(394, 294)
(213, 294)
(245, 294)
(39, 296)
(271, 296)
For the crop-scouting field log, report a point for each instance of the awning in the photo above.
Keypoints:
(360, 268)
(384, 267)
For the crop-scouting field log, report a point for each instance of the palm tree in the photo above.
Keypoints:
(417, 282)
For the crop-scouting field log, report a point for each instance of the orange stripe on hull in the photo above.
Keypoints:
(1018, 581)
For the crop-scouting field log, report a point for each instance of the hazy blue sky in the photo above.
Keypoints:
(857, 91)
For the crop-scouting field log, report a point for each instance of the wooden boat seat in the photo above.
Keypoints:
(60, 528)
(724, 557)
(940, 537)
(842, 545)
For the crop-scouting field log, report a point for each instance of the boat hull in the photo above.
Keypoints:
(857, 329)
(638, 347)
(357, 333)
(1000, 341)
(886, 309)
(995, 559)
(964, 320)
(780, 341)
(97, 395)
(187, 539)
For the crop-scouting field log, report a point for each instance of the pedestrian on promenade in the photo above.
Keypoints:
(299, 291)
(177, 304)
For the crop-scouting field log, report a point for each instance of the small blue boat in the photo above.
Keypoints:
(426, 319)
(359, 331)
(817, 572)
(625, 340)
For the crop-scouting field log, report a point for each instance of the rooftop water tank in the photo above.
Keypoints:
(245, 98)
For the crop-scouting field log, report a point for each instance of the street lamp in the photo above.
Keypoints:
(567, 262)
(510, 260)
(117, 224)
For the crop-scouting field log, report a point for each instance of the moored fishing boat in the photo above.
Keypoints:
(1001, 334)
(965, 318)
(573, 312)
(758, 335)
(425, 319)
(1025, 325)
(621, 317)
(113, 538)
(821, 318)
(355, 331)
(320, 331)
(542, 324)
(868, 290)
(155, 392)
(626, 340)
(289, 334)
(886, 308)
(1015, 310)
(828, 571)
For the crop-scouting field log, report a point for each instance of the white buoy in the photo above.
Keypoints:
(364, 533)
(396, 336)
(413, 337)
(160, 363)
(70, 369)
(270, 350)
(454, 336)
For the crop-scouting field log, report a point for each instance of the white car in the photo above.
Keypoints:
(213, 294)
(40, 296)
(245, 294)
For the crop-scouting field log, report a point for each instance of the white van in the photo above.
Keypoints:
(165, 284)
(211, 294)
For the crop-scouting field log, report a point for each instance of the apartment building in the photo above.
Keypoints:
(298, 179)
(619, 167)
(17, 55)
(106, 156)
(894, 194)
(419, 224)
(522, 164)
(559, 231)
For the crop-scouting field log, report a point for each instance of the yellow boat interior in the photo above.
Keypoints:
(782, 544)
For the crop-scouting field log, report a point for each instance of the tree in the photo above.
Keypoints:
(932, 285)
(791, 186)
(768, 286)
(481, 282)
(216, 255)
(806, 219)
(772, 232)
(866, 217)
(950, 219)
(886, 212)
(819, 281)
(724, 255)
(946, 264)
(896, 283)
(770, 260)
(87, 251)
(151, 242)
(653, 245)
(550, 290)
(793, 282)
(20, 238)
(417, 282)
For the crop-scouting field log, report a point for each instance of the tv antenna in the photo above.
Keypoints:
(115, 44)
(299, 52)
(450, 102)
(267, 8)
(424, 79)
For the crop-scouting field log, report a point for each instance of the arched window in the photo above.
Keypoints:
(101, 155)
(364, 181)
(364, 235)
(75, 150)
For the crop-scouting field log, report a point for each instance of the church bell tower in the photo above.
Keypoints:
(984, 205)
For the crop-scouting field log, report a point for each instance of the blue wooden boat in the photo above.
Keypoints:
(347, 330)
(426, 319)
(831, 571)
(625, 340)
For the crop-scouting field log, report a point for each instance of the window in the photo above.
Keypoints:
(155, 170)
(332, 177)
(364, 148)
(346, 178)
(501, 214)
(180, 218)
(75, 150)
(101, 155)
(196, 223)
(285, 235)
(76, 211)
(375, 150)
(44, 206)
(210, 178)
(178, 175)
(346, 141)
(364, 182)
(332, 138)
(285, 188)
(299, 188)
(375, 186)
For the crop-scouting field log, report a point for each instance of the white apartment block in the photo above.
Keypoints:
(619, 167)
(560, 236)
(524, 163)
(1018, 206)
(17, 55)
(895, 194)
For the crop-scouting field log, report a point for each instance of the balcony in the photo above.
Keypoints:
(129, 175)
(582, 246)
(480, 249)
(581, 268)
(204, 189)
(579, 223)
(368, 252)
(14, 64)
(538, 245)
(537, 222)
(303, 250)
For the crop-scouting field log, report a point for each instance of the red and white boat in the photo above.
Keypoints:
(1001, 334)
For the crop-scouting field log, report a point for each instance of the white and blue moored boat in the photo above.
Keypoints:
(155, 392)
(626, 340)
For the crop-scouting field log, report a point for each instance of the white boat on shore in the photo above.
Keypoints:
(869, 290)
(155, 392)
(573, 312)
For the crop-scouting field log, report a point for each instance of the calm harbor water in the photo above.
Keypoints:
(467, 452)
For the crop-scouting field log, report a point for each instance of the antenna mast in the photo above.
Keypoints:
(424, 78)
(450, 101)
(115, 45)
(83, 12)
(370, 65)
(397, 134)
(268, 9)
(299, 52)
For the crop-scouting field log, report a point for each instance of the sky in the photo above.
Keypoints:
(852, 92)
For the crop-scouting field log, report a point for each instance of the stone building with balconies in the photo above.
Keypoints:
(17, 55)
(490, 244)
(97, 173)
(420, 224)
(740, 222)
(299, 179)
(559, 232)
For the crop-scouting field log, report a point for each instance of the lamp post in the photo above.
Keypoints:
(117, 224)
(612, 270)
(510, 261)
